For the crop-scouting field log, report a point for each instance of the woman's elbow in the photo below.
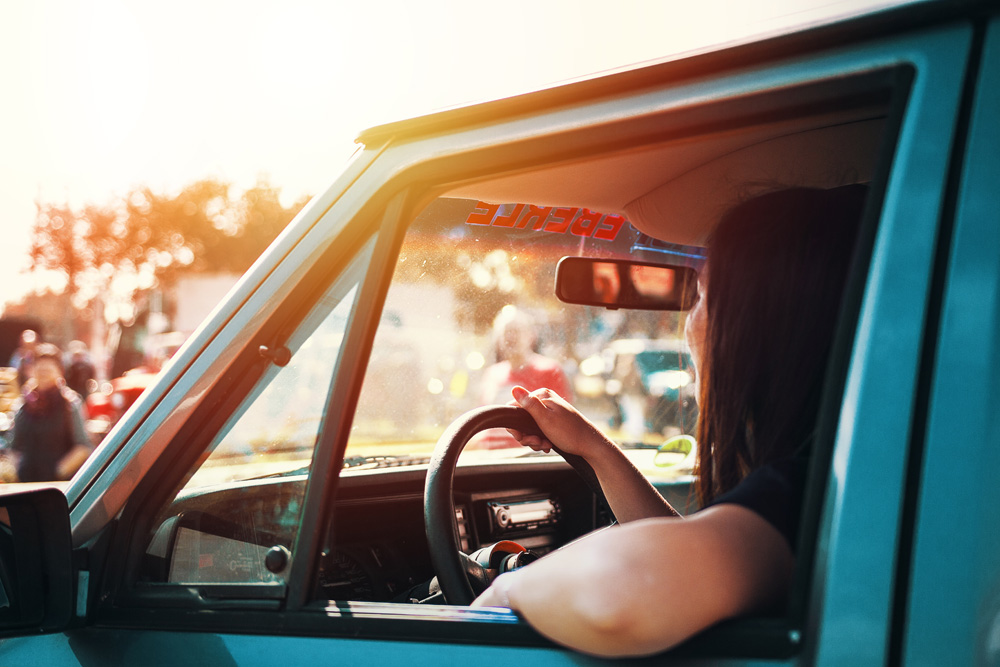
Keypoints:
(615, 619)
(618, 632)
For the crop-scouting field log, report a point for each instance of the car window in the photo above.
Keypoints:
(255, 468)
(471, 311)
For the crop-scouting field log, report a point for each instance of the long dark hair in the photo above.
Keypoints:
(777, 265)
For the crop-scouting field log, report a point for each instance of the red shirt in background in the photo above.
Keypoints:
(540, 372)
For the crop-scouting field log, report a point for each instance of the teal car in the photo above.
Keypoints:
(290, 487)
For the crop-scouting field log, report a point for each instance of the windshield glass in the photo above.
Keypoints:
(471, 312)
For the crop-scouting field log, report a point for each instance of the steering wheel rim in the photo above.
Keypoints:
(439, 506)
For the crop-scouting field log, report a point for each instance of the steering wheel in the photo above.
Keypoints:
(439, 506)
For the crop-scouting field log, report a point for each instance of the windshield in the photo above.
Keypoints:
(471, 312)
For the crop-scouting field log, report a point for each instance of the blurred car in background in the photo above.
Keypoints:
(106, 406)
(647, 385)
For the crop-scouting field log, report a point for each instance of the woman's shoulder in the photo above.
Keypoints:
(774, 491)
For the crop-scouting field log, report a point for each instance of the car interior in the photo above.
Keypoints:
(670, 174)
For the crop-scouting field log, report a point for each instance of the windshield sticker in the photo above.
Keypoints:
(555, 220)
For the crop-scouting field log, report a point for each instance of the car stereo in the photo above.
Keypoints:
(526, 515)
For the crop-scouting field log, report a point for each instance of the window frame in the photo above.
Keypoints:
(755, 637)
(125, 548)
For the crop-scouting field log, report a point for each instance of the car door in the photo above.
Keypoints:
(328, 277)
(949, 579)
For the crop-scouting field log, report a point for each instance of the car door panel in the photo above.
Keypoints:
(124, 648)
(865, 487)
(951, 584)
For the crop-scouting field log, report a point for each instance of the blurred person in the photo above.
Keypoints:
(80, 371)
(518, 364)
(24, 356)
(49, 437)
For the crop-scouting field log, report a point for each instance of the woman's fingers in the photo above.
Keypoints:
(561, 424)
(535, 442)
(532, 441)
(525, 399)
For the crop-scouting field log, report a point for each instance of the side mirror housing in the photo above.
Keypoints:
(36, 564)
(618, 283)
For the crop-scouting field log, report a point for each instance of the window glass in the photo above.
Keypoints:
(471, 311)
(241, 505)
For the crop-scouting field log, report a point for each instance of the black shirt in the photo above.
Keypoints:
(775, 492)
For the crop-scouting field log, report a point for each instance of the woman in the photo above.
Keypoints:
(49, 433)
(759, 334)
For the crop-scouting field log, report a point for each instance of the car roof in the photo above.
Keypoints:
(677, 189)
(863, 22)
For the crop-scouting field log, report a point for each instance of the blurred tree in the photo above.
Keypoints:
(114, 254)
(57, 244)
(201, 229)
(102, 232)
(165, 235)
(263, 217)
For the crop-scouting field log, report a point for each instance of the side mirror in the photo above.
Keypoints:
(617, 283)
(36, 567)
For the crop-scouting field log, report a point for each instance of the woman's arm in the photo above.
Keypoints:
(644, 587)
(629, 493)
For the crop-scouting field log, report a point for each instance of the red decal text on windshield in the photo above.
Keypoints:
(577, 221)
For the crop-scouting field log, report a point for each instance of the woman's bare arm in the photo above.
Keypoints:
(629, 493)
(644, 587)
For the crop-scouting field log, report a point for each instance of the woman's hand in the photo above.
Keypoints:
(629, 493)
(561, 423)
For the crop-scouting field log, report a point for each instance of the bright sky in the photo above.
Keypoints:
(102, 96)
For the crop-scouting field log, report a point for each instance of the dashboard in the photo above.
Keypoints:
(375, 545)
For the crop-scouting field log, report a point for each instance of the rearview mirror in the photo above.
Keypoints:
(618, 283)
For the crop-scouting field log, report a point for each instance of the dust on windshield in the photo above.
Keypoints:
(471, 312)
